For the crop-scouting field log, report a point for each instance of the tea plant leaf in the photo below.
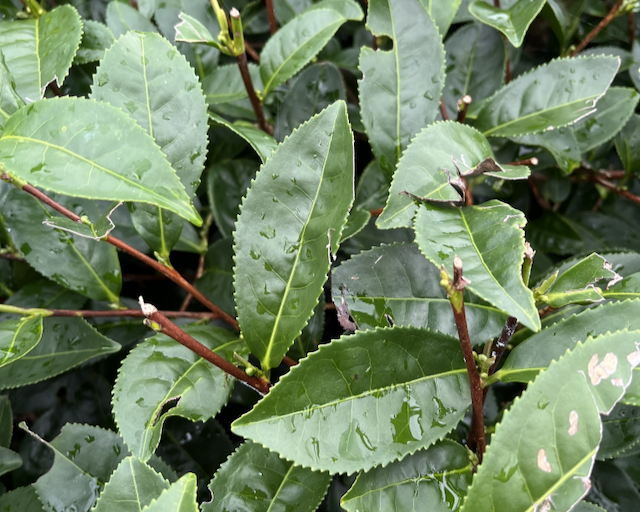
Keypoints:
(357, 220)
(190, 30)
(121, 18)
(418, 478)
(38, 51)
(6, 421)
(536, 353)
(561, 143)
(96, 39)
(18, 338)
(216, 281)
(363, 400)
(489, 240)
(311, 335)
(41, 144)
(544, 448)
(291, 217)
(442, 13)
(10, 101)
(225, 84)
(295, 44)
(146, 76)
(512, 22)
(24, 499)
(398, 281)
(179, 497)
(74, 262)
(262, 143)
(552, 95)
(628, 145)
(132, 487)
(399, 93)
(161, 378)
(9, 460)
(429, 164)
(66, 343)
(614, 109)
(274, 484)
(620, 432)
(474, 53)
(628, 288)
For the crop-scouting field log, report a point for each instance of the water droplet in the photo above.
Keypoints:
(268, 232)
(428, 95)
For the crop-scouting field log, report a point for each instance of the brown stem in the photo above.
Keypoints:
(251, 51)
(273, 25)
(255, 102)
(10, 256)
(546, 310)
(463, 106)
(172, 330)
(528, 161)
(544, 204)
(631, 23)
(598, 28)
(134, 4)
(500, 344)
(130, 313)
(55, 89)
(443, 110)
(376, 213)
(611, 186)
(507, 77)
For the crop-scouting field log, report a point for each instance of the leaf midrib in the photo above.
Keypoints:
(21, 325)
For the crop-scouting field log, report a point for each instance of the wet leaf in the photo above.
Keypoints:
(253, 478)
(363, 400)
(489, 240)
(545, 446)
(10, 101)
(437, 478)
(18, 338)
(262, 143)
(311, 335)
(628, 144)
(399, 94)
(552, 95)
(179, 497)
(38, 51)
(512, 22)
(290, 219)
(561, 143)
(96, 39)
(225, 84)
(442, 13)
(122, 18)
(161, 378)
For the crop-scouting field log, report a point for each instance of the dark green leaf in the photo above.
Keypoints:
(561, 143)
(217, 278)
(6, 421)
(311, 335)
(225, 84)
(96, 39)
(121, 18)
(356, 222)
(18, 338)
(373, 189)
(512, 22)
(291, 217)
(253, 478)
(620, 433)
(23, 499)
(43, 293)
(442, 13)
(261, 142)
(628, 145)
(363, 400)
(9, 460)
(10, 101)
(286, 10)
(399, 93)
(554, 233)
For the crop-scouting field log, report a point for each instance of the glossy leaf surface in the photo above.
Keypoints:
(561, 143)
(40, 144)
(544, 448)
(512, 22)
(161, 378)
(190, 30)
(179, 497)
(96, 39)
(121, 18)
(262, 143)
(295, 209)
(253, 478)
(628, 145)
(9, 460)
(18, 338)
(549, 96)
(10, 101)
(370, 398)
(399, 93)
(620, 432)
(442, 13)
(38, 51)
(489, 240)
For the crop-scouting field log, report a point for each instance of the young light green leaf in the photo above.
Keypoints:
(371, 398)
(96, 39)
(612, 113)
(38, 51)
(398, 281)
(442, 13)
(512, 22)
(430, 163)
(295, 44)
(72, 261)
(66, 343)
(179, 497)
(400, 94)
(225, 84)
(290, 220)
(10, 101)
(489, 240)
(18, 338)
(132, 487)
(561, 143)
(551, 96)
(121, 18)
(418, 478)
(24, 499)
(262, 143)
(274, 484)
(161, 378)
(190, 30)
(474, 53)
(40, 144)
(542, 452)
(628, 145)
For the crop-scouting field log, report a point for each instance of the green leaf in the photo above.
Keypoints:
(512, 22)
(38, 51)
(190, 30)
(40, 144)
(628, 145)
(628, 288)
(561, 143)
(132, 486)
(253, 478)
(66, 343)
(74, 262)
(552, 95)
(536, 353)
(373, 189)
(10, 101)
(311, 335)
(262, 143)
(291, 217)
(95, 231)
(96, 39)
(159, 228)
(356, 222)
(474, 55)
(429, 164)
(161, 378)
(45, 294)
(216, 282)
(23, 499)
(9, 460)
(620, 433)
(286, 10)
(442, 13)
(545, 446)
(179, 497)
(295, 44)
(399, 94)
(490, 242)
(6, 421)
(225, 84)
(614, 110)
(436, 477)
(121, 18)
(398, 281)
(363, 400)
(18, 338)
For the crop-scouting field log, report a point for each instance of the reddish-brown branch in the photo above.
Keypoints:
(611, 186)
(528, 161)
(443, 110)
(463, 106)
(199, 271)
(598, 28)
(544, 204)
(376, 213)
(131, 313)
(500, 344)
(251, 51)
(253, 97)
(271, 14)
(10, 256)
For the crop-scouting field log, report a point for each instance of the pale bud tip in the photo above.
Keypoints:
(147, 309)
(234, 13)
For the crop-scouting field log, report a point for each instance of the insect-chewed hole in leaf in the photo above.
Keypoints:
(165, 408)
